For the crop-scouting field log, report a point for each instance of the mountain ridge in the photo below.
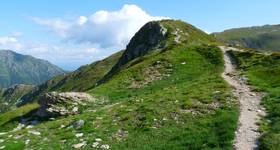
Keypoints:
(262, 38)
(16, 68)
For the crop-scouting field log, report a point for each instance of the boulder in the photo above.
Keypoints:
(62, 104)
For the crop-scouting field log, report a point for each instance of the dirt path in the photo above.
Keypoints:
(246, 137)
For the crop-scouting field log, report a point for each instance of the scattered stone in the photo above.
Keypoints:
(1, 140)
(19, 127)
(29, 126)
(80, 145)
(63, 141)
(183, 63)
(17, 137)
(79, 124)
(2, 147)
(27, 142)
(34, 132)
(98, 140)
(95, 145)
(75, 109)
(105, 146)
(62, 126)
(79, 135)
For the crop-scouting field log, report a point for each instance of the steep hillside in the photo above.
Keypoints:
(80, 80)
(9, 96)
(169, 96)
(264, 38)
(22, 69)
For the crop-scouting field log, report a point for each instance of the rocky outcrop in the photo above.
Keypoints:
(149, 38)
(62, 104)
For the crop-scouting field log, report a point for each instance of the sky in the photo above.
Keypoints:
(71, 33)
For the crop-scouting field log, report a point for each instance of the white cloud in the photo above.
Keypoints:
(10, 41)
(104, 28)
(7, 40)
(84, 39)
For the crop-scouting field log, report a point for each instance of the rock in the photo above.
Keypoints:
(149, 38)
(79, 135)
(18, 137)
(19, 127)
(79, 124)
(62, 126)
(105, 146)
(27, 142)
(183, 63)
(80, 145)
(34, 132)
(29, 126)
(2, 147)
(95, 145)
(98, 140)
(1, 140)
(53, 104)
(75, 109)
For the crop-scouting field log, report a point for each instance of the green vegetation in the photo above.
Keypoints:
(263, 72)
(264, 38)
(21, 69)
(155, 101)
(9, 96)
(80, 80)
(14, 114)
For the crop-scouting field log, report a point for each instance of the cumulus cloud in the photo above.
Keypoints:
(103, 28)
(84, 39)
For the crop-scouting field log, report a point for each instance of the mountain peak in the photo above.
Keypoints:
(156, 36)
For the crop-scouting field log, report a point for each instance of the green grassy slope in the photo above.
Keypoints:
(264, 38)
(23, 69)
(9, 96)
(171, 98)
(263, 72)
(80, 80)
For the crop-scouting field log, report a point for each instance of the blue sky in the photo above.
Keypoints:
(71, 33)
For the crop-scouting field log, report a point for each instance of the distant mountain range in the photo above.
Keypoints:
(23, 69)
(259, 37)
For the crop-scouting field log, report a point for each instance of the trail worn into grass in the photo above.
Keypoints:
(246, 137)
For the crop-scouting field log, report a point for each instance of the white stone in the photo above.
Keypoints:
(34, 132)
(105, 146)
(95, 144)
(80, 145)
(27, 141)
(75, 109)
(79, 135)
(2, 147)
(98, 140)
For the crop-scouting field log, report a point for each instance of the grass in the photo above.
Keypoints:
(173, 113)
(264, 38)
(180, 102)
(263, 72)
(14, 114)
